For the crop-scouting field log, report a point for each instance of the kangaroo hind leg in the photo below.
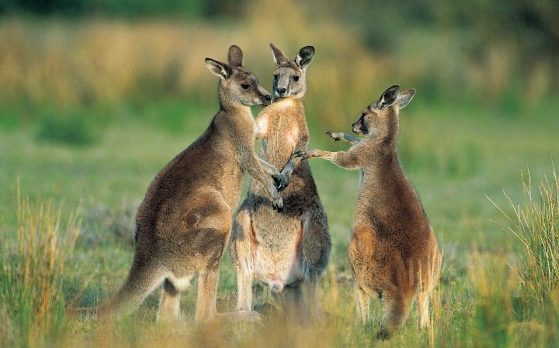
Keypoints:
(243, 248)
(169, 306)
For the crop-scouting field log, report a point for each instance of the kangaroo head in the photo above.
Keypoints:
(289, 76)
(381, 117)
(237, 85)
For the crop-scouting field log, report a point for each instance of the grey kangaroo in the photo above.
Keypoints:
(184, 222)
(393, 252)
(284, 248)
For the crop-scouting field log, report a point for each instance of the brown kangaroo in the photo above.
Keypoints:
(393, 252)
(184, 222)
(284, 248)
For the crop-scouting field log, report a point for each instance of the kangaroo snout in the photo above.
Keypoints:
(264, 96)
(280, 92)
(355, 127)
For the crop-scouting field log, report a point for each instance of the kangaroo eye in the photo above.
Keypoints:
(245, 86)
(295, 78)
(276, 77)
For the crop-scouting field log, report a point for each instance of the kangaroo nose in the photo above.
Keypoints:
(281, 90)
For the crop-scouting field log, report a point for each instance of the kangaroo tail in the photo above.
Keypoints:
(142, 279)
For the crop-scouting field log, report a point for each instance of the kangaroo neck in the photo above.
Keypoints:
(287, 106)
(383, 170)
(233, 123)
(226, 107)
(294, 98)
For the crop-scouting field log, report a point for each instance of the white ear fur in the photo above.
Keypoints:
(279, 56)
(219, 69)
(305, 57)
(404, 98)
(388, 97)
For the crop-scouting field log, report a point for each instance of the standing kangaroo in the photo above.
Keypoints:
(284, 248)
(393, 252)
(184, 222)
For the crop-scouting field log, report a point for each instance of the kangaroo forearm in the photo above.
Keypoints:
(268, 168)
(258, 172)
(342, 159)
(345, 137)
(294, 161)
(348, 138)
(290, 166)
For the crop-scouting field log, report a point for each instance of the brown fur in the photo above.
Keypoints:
(283, 249)
(393, 252)
(184, 222)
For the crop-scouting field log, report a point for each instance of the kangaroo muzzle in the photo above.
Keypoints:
(360, 126)
(282, 87)
(265, 97)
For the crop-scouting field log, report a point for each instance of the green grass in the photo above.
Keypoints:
(32, 271)
(454, 156)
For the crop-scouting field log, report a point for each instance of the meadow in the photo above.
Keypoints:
(92, 110)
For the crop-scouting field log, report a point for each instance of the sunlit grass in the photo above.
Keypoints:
(31, 294)
(535, 224)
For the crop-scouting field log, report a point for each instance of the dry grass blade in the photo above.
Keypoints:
(537, 228)
(32, 270)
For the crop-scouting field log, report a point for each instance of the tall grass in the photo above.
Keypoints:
(32, 268)
(535, 224)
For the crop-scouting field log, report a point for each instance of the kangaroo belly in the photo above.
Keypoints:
(277, 250)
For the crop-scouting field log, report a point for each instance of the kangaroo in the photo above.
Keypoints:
(184, 222)
(393, 252)
(283, 249)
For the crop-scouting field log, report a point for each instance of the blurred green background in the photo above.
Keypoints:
(96, 96)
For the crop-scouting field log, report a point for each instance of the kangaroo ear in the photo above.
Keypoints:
(219, 69)
(304, 57)
(235, 56)
(388, 97)
(404, 98)
(279, 56)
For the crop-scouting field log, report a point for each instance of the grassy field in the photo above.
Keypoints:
(454, 156)
(92, 108)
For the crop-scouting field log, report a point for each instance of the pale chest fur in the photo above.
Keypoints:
(282, 125)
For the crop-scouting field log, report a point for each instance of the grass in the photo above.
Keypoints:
(92, 110)
(479, 301)
(535, 225)
(32, 272)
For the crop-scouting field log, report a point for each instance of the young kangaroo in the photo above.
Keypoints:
(283, 248)
(184, 222)
(393, 252)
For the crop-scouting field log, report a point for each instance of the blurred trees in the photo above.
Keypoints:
(531, 24)
(123, 8)
(480, 52)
